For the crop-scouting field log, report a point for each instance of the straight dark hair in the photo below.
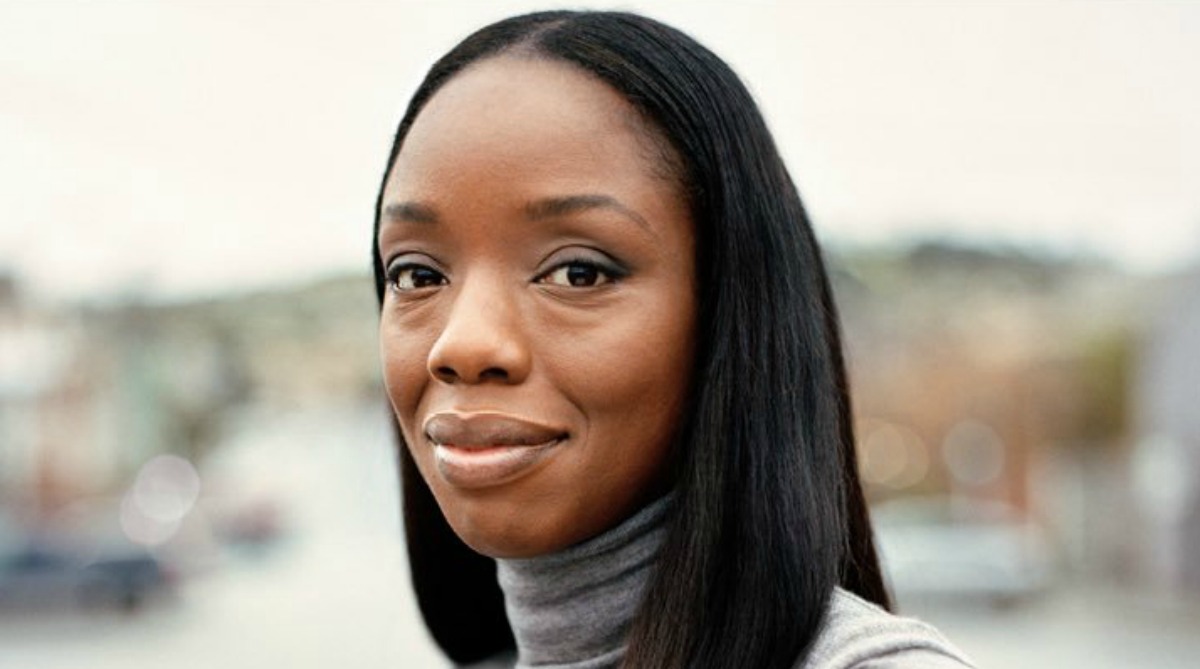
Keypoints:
(768, 514)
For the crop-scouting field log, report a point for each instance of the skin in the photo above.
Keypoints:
(541, 266)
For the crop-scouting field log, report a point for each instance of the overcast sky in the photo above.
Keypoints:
(183, 147)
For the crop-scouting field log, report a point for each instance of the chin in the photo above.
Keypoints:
(500, 529)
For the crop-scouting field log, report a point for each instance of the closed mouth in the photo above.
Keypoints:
(475, 450)
(478, 430)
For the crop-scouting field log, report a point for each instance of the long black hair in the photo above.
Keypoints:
(768, 515)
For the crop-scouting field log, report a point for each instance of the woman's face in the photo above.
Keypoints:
(537, 331)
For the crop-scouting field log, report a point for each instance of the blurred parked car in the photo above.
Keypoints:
(957, 548)
(36, 577)
(45, 569)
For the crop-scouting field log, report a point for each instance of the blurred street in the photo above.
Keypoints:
(337, 606)
(332, 594)
(335, 593)
(1073, 627)
(348, 606)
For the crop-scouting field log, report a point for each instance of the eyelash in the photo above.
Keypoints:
(427, 276)
(605, 273)
(396, 272)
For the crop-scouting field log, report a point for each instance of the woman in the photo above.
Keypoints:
(610, 346)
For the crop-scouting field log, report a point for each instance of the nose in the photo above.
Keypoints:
(482, 339)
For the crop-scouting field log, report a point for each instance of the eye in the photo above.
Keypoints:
(413, 276)
(578, 274)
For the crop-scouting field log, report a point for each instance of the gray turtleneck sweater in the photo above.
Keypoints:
(573, 609)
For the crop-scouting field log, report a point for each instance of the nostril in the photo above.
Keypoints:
(447, 374)
(494, 373)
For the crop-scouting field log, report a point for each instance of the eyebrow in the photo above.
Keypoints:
(410, 212)
(416, 212)
(571, 204)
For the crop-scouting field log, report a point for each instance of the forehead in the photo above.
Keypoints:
(550, 120)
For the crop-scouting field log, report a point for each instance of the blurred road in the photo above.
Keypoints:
(341, 605)
(348, 606)
(1077, 626)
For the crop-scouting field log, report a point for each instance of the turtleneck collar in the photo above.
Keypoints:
(573, 609)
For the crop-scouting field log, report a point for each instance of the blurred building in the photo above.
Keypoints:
(90, 393)
(996, 378)
(48, 408)
(1166, 462)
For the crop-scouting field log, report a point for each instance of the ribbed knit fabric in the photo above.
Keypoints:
(573, 609)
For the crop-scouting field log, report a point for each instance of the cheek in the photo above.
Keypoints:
(631, 377)
(403, 354)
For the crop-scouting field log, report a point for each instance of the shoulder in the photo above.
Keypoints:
(857, 634)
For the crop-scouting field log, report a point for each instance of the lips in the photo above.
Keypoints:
(478, 450)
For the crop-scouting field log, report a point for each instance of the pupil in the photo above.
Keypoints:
(581, 275)
(423, 277)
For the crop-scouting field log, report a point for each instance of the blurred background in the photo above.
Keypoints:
(195, 459)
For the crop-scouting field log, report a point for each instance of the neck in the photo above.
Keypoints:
(573, 609)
